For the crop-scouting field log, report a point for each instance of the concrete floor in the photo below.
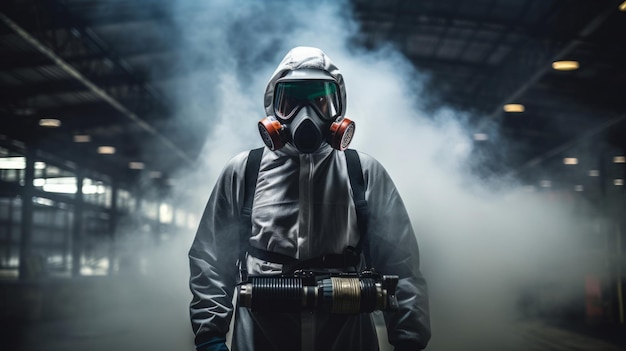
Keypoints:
(150, 312)
(166, 327)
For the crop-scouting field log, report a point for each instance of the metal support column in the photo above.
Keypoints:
(113, 218)
(620, 272)
(67, 240)
(77, 229)
(157, 227)
(27, 214)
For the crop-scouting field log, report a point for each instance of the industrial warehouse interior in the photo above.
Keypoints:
(502, 123)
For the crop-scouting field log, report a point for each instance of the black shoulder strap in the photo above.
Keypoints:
(355, 173)
(252, 170)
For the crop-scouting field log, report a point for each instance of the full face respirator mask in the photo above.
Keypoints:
(306, 106)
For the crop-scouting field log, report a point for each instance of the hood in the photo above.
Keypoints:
(299, 58)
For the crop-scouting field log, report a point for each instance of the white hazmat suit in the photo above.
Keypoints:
(303, 208)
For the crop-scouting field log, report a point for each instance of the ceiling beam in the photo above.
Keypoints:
(29, 38)
(589, 135)
(546, 67)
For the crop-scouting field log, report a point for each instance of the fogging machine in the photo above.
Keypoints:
(308, 290)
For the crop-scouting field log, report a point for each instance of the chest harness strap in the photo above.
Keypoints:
(349, 258)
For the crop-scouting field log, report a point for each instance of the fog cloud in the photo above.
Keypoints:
(483, 242)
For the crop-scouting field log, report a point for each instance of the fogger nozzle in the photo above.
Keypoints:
(344, 293)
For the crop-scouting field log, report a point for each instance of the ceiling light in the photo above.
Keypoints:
(25, 111)
(136, 165)
(50, 122)
(619, 159)
(618, 182)
(622, 6)
(516, 108)
(565, 65)
(570, 161)
(155, 174)
(594, 173)
(106, 150)
(82, 138)
(545, 183)
(579, 188)
(481, 137)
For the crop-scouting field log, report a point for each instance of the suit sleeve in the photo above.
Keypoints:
(214, 253)
(394, 250)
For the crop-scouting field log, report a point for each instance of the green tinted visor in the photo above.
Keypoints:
(291, 96)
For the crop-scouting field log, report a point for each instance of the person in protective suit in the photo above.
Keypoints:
(303, 207)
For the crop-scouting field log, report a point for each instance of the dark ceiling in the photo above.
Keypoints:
(485, 54)
(74, 59)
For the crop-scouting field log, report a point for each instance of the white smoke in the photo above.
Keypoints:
(481, 242)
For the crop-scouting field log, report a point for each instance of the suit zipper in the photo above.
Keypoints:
(305, 205)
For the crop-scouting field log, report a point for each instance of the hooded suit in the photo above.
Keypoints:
(303, 207)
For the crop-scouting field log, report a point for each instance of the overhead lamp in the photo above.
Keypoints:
(514, 108)
(594, 173)
(545, 183)
(579, 188)
(570, 161)
(481, 136)
(136, 165)
(25, 111)
(565, 65)
(619, 159)
(50, 122)
(106, 150)
(618, 182)
(622, 6)
(155, 174)
(82, 138)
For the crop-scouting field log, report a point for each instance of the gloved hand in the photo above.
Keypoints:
(216, 343)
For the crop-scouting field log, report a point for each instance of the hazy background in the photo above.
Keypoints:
(483, 240)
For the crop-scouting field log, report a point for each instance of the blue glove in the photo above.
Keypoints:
(216, 343)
